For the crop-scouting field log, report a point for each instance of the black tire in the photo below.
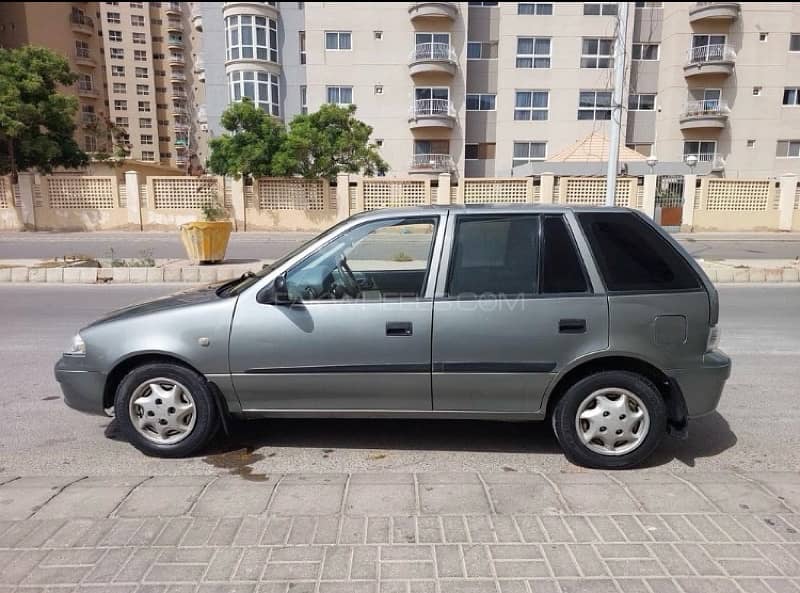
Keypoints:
(565, 413)
(206, 422)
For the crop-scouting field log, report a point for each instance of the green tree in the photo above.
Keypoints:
(37, 122)
(326, 142)
(248, 149)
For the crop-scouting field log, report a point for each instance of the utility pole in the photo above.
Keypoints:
(616, 102)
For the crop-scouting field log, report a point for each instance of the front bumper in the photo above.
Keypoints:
(82, 389)
(702, 386)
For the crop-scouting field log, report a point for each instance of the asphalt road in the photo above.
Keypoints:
(265, 245)
(756, 427)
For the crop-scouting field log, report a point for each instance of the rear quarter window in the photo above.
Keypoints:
(632, 256)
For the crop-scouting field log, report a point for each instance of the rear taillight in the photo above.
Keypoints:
(713, 338)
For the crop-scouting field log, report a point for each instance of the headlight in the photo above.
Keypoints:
(77, 347)
(713, 338)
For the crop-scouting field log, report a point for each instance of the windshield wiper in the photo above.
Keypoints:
(233, 281)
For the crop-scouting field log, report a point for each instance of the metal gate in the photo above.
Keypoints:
(669, 199)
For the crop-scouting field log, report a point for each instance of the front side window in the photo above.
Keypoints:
(533, 52)
(251, 37)
(597, 53)
(632, 256)
(338, 40)
(495, 256)
(594, 105)
(260, 87)
(380, 260)
(528, 152)
(531, 105)
(339, 95)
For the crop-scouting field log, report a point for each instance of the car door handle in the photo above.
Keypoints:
(399, 328)
(572, 326)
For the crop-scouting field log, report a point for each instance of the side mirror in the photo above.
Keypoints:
(276, 293)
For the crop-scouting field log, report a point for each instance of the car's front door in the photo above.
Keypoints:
(358, 336)
(515, 307)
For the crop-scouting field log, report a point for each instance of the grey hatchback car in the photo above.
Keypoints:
(593, 319)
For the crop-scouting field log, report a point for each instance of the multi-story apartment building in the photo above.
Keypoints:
(135, 70)
(478, 88)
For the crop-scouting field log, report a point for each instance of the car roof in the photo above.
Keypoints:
(484, 209)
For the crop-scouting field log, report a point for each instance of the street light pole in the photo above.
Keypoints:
(616, 102)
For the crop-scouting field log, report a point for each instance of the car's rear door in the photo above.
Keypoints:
(513, 306)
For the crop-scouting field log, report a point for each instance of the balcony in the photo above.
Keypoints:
(174, 42)
(179, 110)
(704, 114)
(432, 10)
(175, 25)
(178, 93)
(181, 143)
(176, 59)
(81, 24)
(87, 92)
(88, 119)
(431, 113)
(83, 58)
(271, 8)
(197, 17)
(173, 8)
(431, 163)
(180, 127)
(715, 161)
(714, 11)
(709, 59)
(177, 76)
(432, 58)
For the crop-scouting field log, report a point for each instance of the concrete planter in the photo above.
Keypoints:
(206, 242)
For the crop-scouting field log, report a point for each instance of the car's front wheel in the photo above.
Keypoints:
(166, 410)
(610, 420)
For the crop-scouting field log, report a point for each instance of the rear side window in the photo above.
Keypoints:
(562, 267)
(632, 256)
(495, 255)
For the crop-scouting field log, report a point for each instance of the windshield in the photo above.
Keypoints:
(236, 287)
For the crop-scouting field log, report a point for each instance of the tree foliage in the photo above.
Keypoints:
(248, 149)
(321, 144)
(37, 122)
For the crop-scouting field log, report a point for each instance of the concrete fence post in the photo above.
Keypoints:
(342, 196)
(547, 183)
(786, 201)
(443, 190)
(649, 196)
(460, 190)
(359, 195)
(132, 195)
(237, 202)
(25, 182)
(687, 217)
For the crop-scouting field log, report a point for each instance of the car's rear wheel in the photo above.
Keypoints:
(610, 420)
(166, 410)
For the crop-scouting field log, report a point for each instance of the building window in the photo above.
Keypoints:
(751, 143)
(339, 95)
(756, 91)
(303, 99)
(113, 18)
(139, 38)
(378, 35)
(121, 121)
(762, 37)
(470, 152)
(594, 105)
(645, 51)
(642, 102)
(598, 8)
(794, 42)
(597, 53)
(531, 105)
(141, 72)
(788, 149)
(649, 5)
(137, 20)
(704, 150)
(251, 37)
(537, 8)
(528, 152)
(533, 52)
(90, 143)
(645, 149)
(85, 82)
(302, 47)
(140, 55)
(148, 155)
(144, 107)
(480, 152)
(338, 40)
(145, 122)
(120, 105)
(81, 49)
(791, 96)
(142, 90)
(481, 102)
(146, 139)
(117, 70)
(260, 87)
(137, 4)
(479, 50)
(378, 89)
(486, 4)
(119, 88)
(115, 35)
(117, 53)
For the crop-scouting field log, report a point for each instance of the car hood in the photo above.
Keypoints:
(186, 298)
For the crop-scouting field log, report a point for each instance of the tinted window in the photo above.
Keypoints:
(562, 268)
(633, 256)
(495, 255)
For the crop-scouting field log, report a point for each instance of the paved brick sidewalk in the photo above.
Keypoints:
(646, 532)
